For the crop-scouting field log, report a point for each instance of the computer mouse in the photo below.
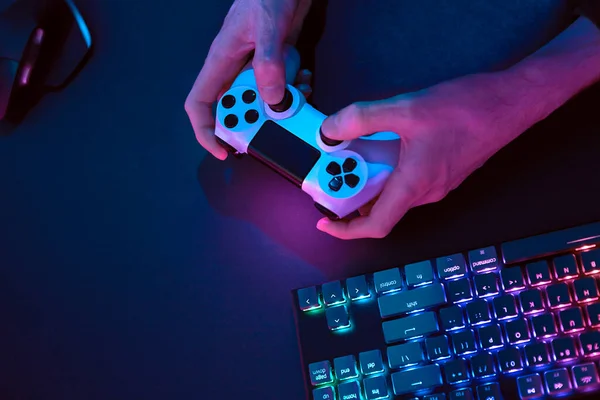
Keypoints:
(43, 44)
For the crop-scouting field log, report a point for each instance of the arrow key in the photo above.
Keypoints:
(333, 293)
(358, 288)
(308, 299)
(337, 318)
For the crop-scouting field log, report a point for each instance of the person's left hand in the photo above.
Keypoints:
(447, 132)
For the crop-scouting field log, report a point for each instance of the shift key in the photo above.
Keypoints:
(412, 300)
(410, 327)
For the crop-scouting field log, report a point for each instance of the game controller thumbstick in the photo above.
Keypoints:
(328, 141)
(284, 104)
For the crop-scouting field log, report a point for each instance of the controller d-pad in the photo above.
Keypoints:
(351, 180)
(251, 116)
(228, 101)
(336, 183)
(249, 96)
(334, 168)
(231, 121)
(349, 165)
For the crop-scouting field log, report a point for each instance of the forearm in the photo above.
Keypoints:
(542, 82)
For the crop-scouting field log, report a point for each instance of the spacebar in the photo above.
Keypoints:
(550, 243)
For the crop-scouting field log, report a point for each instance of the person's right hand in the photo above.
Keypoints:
(262, 26)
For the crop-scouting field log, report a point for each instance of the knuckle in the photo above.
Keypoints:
(381, 230)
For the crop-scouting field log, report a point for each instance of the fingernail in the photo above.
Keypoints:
(322, 224)
(272, 94)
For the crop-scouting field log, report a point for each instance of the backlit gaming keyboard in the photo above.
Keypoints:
(520, 320)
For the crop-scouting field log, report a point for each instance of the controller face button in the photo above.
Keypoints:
(334, 168)
(251, 116)
(231, 121)
(285, 104)
(336, 183)
(327, 141)
(349, 165)
(351, 180)
(228, 101)
(249, 96)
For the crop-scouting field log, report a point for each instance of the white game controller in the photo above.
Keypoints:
(340, 176)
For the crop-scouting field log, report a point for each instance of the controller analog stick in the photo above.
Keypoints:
(329, 142)
(284, 104)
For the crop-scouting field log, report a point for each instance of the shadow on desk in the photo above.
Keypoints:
(545, 180)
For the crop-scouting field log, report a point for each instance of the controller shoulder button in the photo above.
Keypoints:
(352, 180)
(336, 183)
(334, 168)
(349, 164)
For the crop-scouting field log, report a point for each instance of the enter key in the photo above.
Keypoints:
(410, 327)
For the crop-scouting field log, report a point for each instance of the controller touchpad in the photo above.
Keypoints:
(284, 151)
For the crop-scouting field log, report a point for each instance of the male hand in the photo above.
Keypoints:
(447, 132)
(262, 26)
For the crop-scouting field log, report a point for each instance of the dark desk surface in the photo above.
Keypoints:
(134, 267)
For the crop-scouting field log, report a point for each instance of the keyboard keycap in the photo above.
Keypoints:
(459, 291)
(435, 396)
(418, 273)
(571, 320)
(420, 378)
(489, 391)
(593, 312)
(464, 342)
(510, 360)
(456, 371)
(538, 273)
(564, 349)
(590, 343)
(482, 365)
(537, 355)
(337, 318)
(320, 373)
(451, 266)
(345, 367)
(512, 279)
(358, 288)
(585, 290)
(308, 298)
(437, 347)
(558, 295)
(452, 318)
(585, 376)
(333, 293)
(530, 386)
(565, 267)
(486, 284)
(387, 281)
(462, 394)
(490, 337)
(478, 312)
(482, 260)
(505, 307)
(371, 362)
(590, 261)
(544, 326)
(531, 301)
(376, 388)
(349, 390)
(411, 300)
(404, 355)
(324, 393)
(517, 331)
(410, 327)
(557, 381)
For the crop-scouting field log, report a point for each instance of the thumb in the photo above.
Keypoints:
(269, 67)
(361, 119)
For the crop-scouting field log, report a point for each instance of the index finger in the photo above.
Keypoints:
(225, 59)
